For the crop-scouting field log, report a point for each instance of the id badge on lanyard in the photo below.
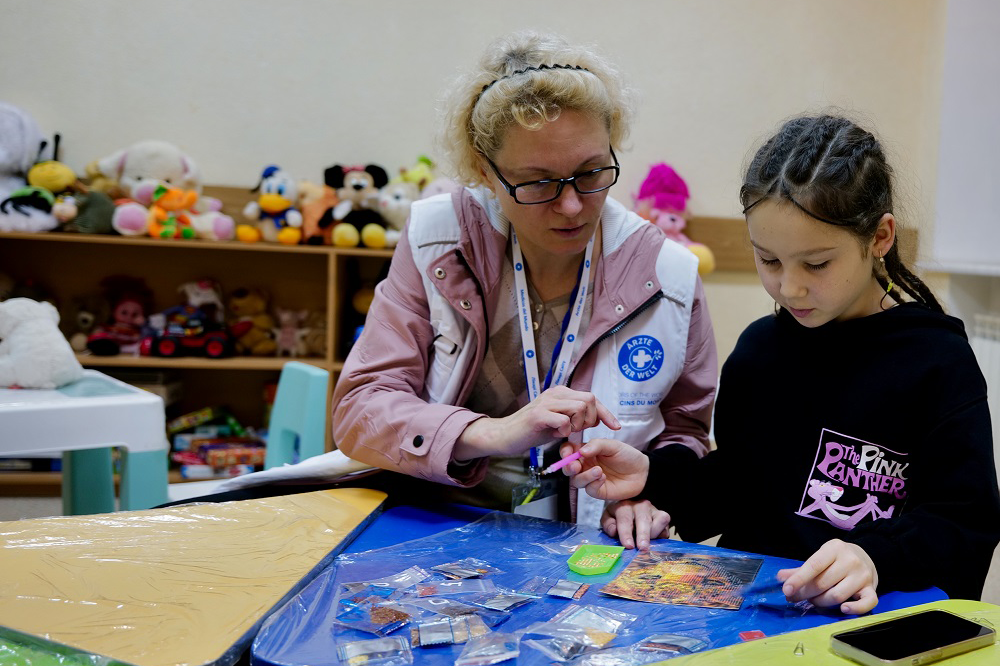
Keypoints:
(538, 496)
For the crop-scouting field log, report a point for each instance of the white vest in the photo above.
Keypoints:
(636, 364)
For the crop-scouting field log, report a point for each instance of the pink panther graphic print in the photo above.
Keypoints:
(854, 481)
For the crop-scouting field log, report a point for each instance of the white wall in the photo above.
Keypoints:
(307, 83)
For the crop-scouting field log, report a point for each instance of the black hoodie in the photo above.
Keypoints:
(874, 430)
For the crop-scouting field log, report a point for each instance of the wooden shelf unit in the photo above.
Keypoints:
(314, 278)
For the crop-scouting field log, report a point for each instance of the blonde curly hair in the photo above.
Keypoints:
(529, 78)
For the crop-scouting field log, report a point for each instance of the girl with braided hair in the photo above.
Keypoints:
(852, 425)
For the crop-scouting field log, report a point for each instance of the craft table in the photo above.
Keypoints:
(178, 586)
(83, 420)
(812, 646)
(304, 632)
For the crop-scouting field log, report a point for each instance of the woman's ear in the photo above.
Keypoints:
(885, 235)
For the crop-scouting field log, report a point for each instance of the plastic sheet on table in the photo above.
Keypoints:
(304, 631)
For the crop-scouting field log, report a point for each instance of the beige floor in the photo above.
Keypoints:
(16, 508)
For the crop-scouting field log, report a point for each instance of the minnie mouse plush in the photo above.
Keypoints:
(352, 219)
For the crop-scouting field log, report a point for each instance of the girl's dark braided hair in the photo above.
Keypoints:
(835, 172)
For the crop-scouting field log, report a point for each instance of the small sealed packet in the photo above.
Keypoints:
(468, 567)
(558, 649)
(502, 600)
(562, 548)
(447, 630)
(392, 651)
(567, 589)
(595, 618)
(463, 586)
(362, 592)
(489, 649)
(402, 580)
(670, 644)
(379, 619)
(621, 656)
(453, 608)
(570, 634)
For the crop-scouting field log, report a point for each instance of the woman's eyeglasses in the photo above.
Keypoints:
(549, 189)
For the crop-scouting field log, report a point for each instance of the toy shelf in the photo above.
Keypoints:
(297, 277)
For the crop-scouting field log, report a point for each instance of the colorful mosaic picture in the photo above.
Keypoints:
(690, 579)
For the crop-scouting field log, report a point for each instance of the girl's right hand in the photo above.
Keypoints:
(555, 414)
(608, 469)
(838, 573)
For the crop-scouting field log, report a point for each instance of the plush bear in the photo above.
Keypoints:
(250, 324)
(21, 143)
(33, 352)
(85, 312)
(357, 189)
(394, 202)
(314, 334)
(135, 172)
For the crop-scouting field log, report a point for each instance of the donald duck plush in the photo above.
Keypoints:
(274, 214)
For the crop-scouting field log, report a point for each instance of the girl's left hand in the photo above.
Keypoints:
(635, 522)
(838, 573)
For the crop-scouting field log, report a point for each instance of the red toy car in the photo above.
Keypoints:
(184, 330)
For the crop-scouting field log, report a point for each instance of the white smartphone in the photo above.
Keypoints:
(914, 639)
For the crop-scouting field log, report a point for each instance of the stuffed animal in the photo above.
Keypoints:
(6, 286)
(662, 199)
(168, 216)
(289, 333)
(314, 201)
(420, 174)
(83, 315)
(274, 214)
(33, 352)
(76, 207)
(250, 325)
(130, 300)
(356, 219)
(135, 172)
(21, 143)
(206, 295)
(440, 186)
(394, 202)
(314, 334)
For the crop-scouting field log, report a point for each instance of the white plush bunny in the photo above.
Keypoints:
(33, 352)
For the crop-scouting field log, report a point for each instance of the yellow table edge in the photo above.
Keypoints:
(781, 649)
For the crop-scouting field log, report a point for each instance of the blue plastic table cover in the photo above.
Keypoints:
(304, 631)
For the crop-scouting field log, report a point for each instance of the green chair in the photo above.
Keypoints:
(298, 419)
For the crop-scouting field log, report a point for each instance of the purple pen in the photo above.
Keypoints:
(559, 464)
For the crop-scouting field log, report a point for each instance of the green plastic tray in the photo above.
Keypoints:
(591, 559)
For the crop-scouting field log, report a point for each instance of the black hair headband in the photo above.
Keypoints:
(539, 68)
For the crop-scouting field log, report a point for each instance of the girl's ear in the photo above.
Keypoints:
(885, 235)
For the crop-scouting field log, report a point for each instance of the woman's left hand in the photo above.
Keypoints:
(838, 573)
(635, 522)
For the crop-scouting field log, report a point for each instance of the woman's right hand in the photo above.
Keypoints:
(555, 414)
(608, 469)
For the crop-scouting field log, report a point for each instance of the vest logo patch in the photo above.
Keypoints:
(640, 358)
